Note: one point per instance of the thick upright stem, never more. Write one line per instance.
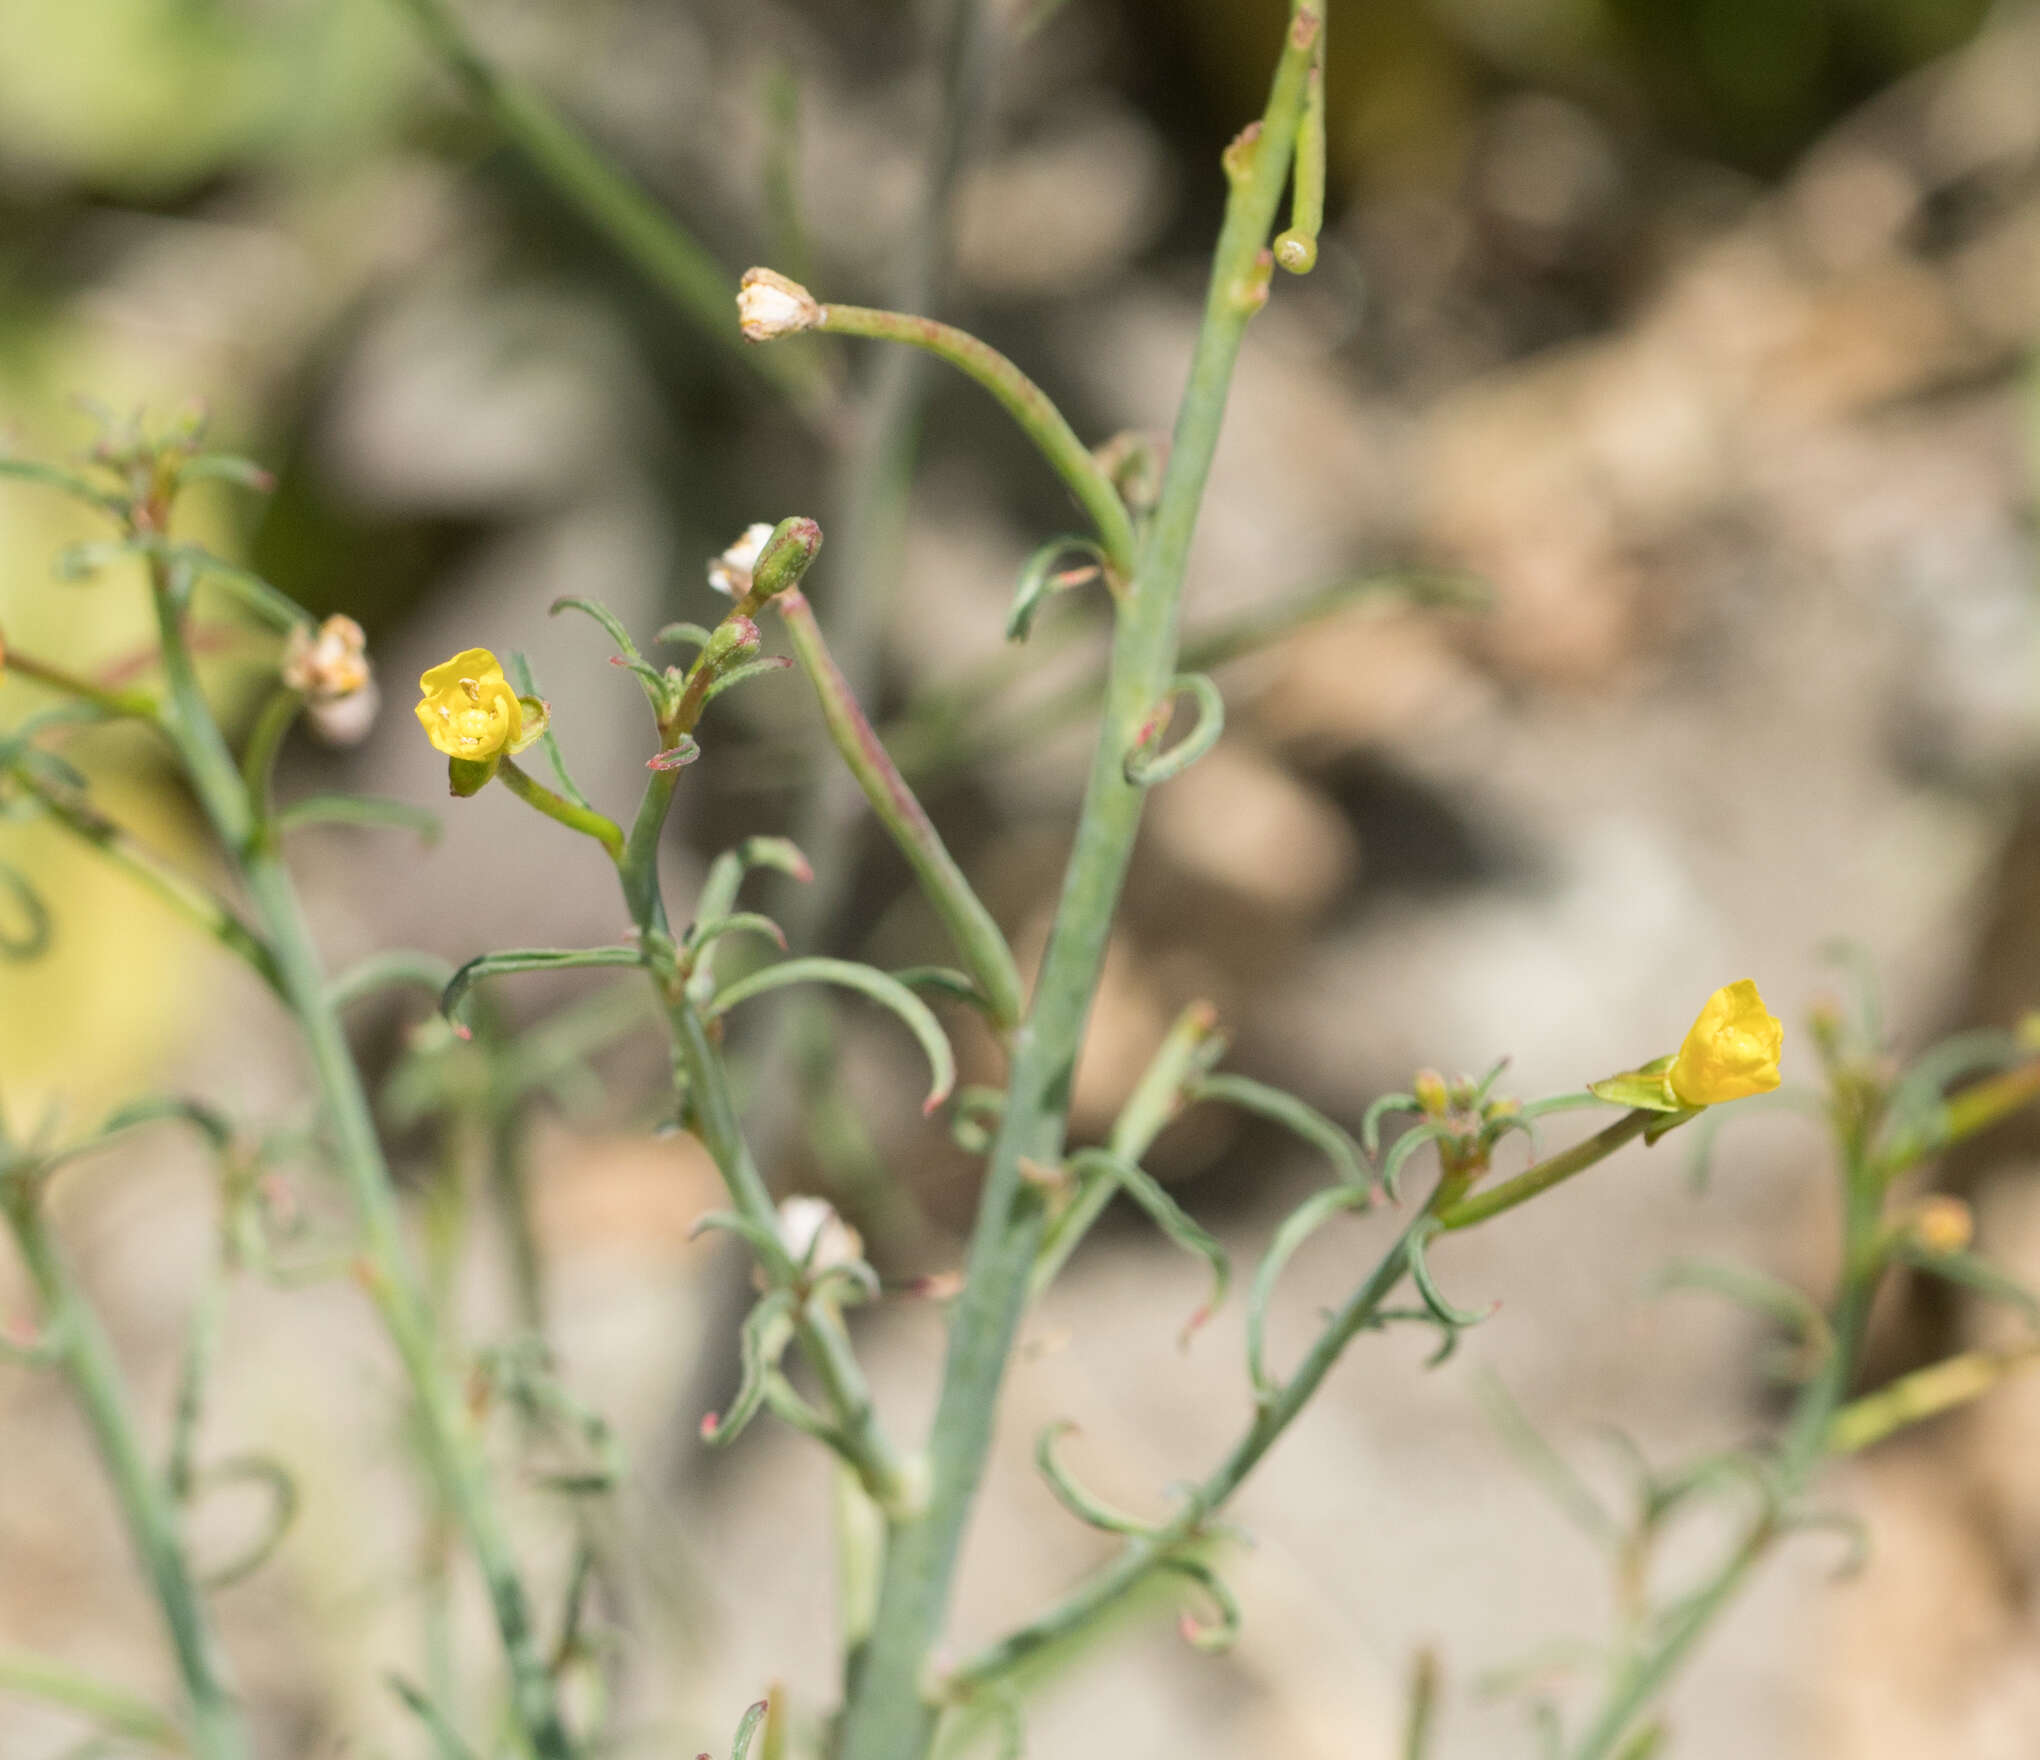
(888, 1716)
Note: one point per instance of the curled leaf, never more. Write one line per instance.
(1147, 763)
(1168, 1216)
(880, 987)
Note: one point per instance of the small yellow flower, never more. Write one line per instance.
(1732, 1050)
(467, 707)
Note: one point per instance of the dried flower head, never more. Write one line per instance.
(730, 573)
(770, 305)
(345, 721)
(1732, 1050)
(329, 663)
(467, 707)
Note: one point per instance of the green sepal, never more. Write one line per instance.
(1645, 1089)
(1669, 1122)
(469, 776)
(537, 720)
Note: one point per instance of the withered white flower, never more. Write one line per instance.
(730, 573)
(769, 305)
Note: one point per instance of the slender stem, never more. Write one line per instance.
(1021, 398)
(88, 1360)
(385, 1267)
(265, 741)
(887, 1717)
(820, 1335)
(114, 1709)
(1149, 1552)
(191, 901)
(139, 704)
(1806, 1442)
(976, 936)
(1545, 1174)
(613, 203)
(585, 820)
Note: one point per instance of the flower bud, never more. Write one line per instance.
(788, 555)
(1428, 1089)
(769, 305)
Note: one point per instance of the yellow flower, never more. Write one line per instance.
(1732, 1050)
(467, 708)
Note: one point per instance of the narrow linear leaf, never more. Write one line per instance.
(880, 987)
(1297, 1227)
(689, 634)
(365, 810)
(1377, 1110)
(611, 624)
(1221, 1635)
(1296, 1116)
(450, 1740)
(762, 1341)
(529, 959)
(271, 604)
(1041, 575)
(742, 674)
(46, 476)
(1092, 1511)
(527, 686)
(740, 1745)
(1147, 763)
(269, 1473)
(1420, 1274)
(1169, 1217)
(397, 968)
(26, 937)
(1973, 1271)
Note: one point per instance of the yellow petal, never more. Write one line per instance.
(467, 707)
(1731, 1052)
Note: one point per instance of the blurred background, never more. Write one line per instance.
(1700, 330)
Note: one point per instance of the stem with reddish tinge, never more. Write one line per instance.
(977, 937)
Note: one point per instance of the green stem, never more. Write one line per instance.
(887, 1717)
(1805, 1445)
(976, 936)
(386, 1268)
(265, 741)
(820, 1334)
(139, 704)
(87, 1357)
(1547, 1173)
(613, 203)
(585, 820)
(191, 901)
(115, 1710)
(1021, 398)
(1150, 1552)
